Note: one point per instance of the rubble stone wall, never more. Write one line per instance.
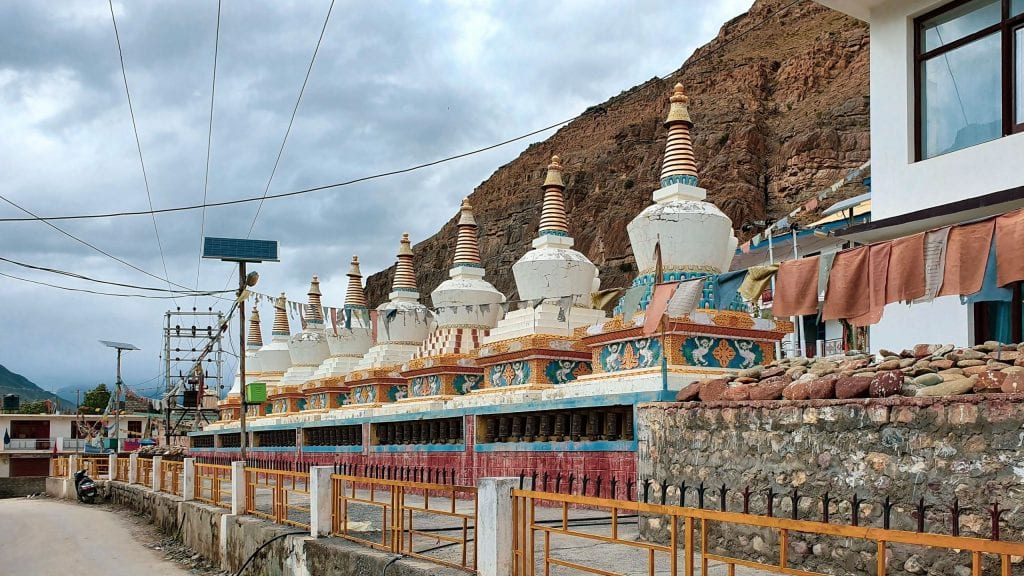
(938, 449)
(16, 487)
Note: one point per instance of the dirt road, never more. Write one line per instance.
(44, 537)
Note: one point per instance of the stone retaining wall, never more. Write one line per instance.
(16, 487)
(938, 449)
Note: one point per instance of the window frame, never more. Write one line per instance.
(1006, 27)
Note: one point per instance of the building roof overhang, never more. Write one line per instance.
(958, 212)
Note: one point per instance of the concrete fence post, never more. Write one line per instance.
(133, 468)
(238, 488)
(72, 465)
(494, 526)
(321, 499)
(111, 466)
(60, 444)
(157, 468)
(188, 486)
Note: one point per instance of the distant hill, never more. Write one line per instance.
(28, 391)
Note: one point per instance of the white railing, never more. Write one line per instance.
(73, 444)
(31, 443)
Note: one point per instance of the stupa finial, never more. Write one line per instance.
(405, 277)
(255, 338)
(354, 296)
(552, 217)
(280, 327)
(679, 166)
(467, 250)
(316, 311)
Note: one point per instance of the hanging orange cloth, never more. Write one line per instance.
(877, 281)
(796, 288)
(847, 282)
(1010, 248)
(905, 281)
(966, 257)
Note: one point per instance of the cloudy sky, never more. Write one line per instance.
(395, 84)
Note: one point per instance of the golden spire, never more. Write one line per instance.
(315, 309)
(281, 317)
(255, 338)
(679, 165)
(552, 217)
(355, 297)
(467, 251)
(405, 277)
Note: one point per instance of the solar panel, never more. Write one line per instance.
(240, 249)
(118, 345)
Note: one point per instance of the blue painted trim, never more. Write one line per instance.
(679, 179)
(467, 265)
(201, 433)
(553, 233)
(592, 446)
(402, 448)
(274, 449)
(203, 449)
(332, 449)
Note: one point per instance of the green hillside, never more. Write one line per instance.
(12, 383)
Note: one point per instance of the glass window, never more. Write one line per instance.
(959, 22)
(1016, 7)
(961, 104)
(1018, 73)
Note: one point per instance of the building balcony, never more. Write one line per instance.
(31, 444)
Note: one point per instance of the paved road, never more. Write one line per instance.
(44, 537)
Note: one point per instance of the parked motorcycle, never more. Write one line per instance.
(85, 488)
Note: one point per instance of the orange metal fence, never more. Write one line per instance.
(689, 527)
(97, 467)
(144, 471)
(278, 495)
(123, 467)
(171, 476)
(213, 484)
(60, 467)
(411, 518)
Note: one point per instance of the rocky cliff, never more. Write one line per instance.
(779, 101)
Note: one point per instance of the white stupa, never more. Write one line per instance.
(350, 335)
(308, 349)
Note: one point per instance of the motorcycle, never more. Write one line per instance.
(85, 488)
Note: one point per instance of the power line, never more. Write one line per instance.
(87, 291)
(108, 282)
(291, 121)
(379, 175)
(209, 145)
(84, 243)
(138, 143)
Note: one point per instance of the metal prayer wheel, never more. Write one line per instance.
(442, 431)
(593, 426)
(544, 428)
(559, 429)
(491, 432)
(435, 432)
(627, 425)
(530, 429)
(455, 431)
(416, 429)
(504, 428)
(517, 428)
(576, 426)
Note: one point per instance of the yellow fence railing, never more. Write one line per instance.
(171, 476)
(278, 495)
(123, 467)
(144, 471)
(97, 467)
(61, 467)
(408, 518)
(536, 541)
(213, 484)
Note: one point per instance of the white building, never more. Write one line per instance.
(947, 112)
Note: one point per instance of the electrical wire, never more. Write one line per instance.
(138, 145)
(209, 145)
(87, 291)
(108, 282)
(379, 175)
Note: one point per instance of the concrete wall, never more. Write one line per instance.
(23, 486)
(937, 449)
(228, 540)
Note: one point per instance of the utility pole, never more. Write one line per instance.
(120, 347)
(241, 358)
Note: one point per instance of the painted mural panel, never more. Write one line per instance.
(642, 353)
(364, 394)
(398, 392)
(509, 374)
(425, 385)
(466, 383)
(564, 371)
(711, 352)
(318, 401)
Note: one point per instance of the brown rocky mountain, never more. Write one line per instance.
(779, 101)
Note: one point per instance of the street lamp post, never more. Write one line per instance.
(120, 347)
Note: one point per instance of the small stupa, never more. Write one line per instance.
(275, 358)
(349, 336)
(535, 347)
(403, 323)
(230, 406)
(466, 308)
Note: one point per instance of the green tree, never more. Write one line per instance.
(37, 407)
(96, 400)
